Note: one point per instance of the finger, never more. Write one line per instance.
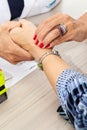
(11, 58)
(47, 27)
(20, 53)
(23, 54)
(25, 24)
(7, 26)
(41, 25)
(50, 24)
(29, 26)
(24, 34)
(17, 35)
(17, 56)
(17, 50)
(67, 37)
(51, 36)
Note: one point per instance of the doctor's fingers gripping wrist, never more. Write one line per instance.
(13, 53)
(23, 36)
(51, 24)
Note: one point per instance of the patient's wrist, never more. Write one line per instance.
(37, 52)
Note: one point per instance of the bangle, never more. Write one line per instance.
(54, 52)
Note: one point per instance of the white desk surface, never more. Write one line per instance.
(32, 103)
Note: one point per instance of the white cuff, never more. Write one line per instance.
(27, 7)
(4, 11)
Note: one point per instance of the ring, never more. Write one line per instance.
(62, 28)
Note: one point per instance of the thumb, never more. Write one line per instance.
(16, 35)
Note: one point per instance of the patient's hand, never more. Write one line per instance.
(9, 50)
(23, 35)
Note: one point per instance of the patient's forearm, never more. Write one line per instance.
(52, 65)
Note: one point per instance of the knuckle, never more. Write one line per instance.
(67, 17)
(74, 25)
(47, 24)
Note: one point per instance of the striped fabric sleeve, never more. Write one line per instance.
(72, 91)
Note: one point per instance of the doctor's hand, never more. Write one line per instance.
(61, 28)
(9, 50)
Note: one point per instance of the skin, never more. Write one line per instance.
(52, 64)
(9, 50)
(48, 33)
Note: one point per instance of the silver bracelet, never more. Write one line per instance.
(54, 52)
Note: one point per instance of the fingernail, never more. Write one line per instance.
(36, 42)
(35, 36)
(47, 46)
(41, 45)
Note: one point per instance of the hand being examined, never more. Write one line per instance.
(23, 35)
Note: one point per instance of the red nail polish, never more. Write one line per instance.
(47, 46)
(36, 42)
(35, 36)
(41, 45)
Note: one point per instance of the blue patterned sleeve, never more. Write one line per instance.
(72, 91)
